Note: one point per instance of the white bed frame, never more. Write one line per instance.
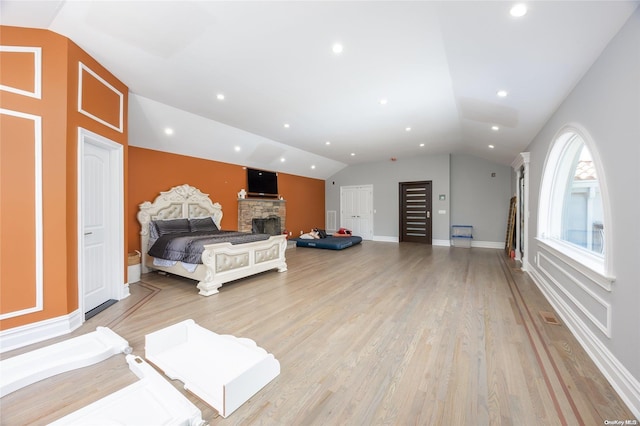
(222, 262)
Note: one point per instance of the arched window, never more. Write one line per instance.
(573, 203)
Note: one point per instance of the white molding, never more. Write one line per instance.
(37, 71)
(572, 257)
(28, 334)
(627, 386)
(488, 244)
(39, 256)
(123, 292)
(520, 166)
(605, 328)
(82, 67)
(385, 238)
(39, 364)
(548, 223)
(441, 243)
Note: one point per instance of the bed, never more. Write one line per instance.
(220, 261)
(330, 243)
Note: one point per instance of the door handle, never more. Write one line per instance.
(428, 215)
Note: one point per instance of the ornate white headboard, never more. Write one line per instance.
(179, 202)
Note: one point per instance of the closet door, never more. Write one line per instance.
(356, 210)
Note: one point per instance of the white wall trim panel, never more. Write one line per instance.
(441, 243)
(556, 248)
(37, 124)
(82, 67)
(37, 71)
(28, 334)
(604, 327)
(618, 376)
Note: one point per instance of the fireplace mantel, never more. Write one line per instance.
(259, 208)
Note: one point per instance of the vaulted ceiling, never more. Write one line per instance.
(413, 78)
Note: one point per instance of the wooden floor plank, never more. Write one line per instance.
(381, 333)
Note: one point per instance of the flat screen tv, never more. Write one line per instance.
(262, 183)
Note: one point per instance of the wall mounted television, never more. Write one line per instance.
(262, 183)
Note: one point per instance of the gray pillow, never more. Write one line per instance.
(203, 224)
(171, 226)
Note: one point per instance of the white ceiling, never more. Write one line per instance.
(438, 63)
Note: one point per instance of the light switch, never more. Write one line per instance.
(442, 212)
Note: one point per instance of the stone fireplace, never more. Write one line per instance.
(269, 225)
(265, 212)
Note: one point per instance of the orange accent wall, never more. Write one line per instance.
(60, 122)
(18, 242)
(14, 61)
(151, 172)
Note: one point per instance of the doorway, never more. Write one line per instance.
(415, 212)
(100, 220)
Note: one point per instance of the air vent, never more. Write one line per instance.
(332, 226)
(549, 318)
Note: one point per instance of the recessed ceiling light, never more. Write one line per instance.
(383, 101)
(286, 125)
(237, 148)
(491, 146)
(327, 143)
(282, 160)
(220, 97)
(408, 129)
(421, 145)
(495, 128)
(502, 93)
(518, 10)
(353, 154)
(168, 131)
(313, 166)
(337, 48)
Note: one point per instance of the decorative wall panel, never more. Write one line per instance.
(28, 60)
(576, 291)
(21, 220)
(99, 100)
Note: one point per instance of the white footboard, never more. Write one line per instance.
(227, 262)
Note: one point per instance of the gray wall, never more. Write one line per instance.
(473, 197)
(606, 103)
(384, 177)
(478, 199)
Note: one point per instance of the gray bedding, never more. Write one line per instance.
(188, 246)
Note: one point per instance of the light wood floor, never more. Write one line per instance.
(380, 333)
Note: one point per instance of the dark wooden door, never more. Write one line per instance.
(415, 212)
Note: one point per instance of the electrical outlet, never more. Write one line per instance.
(301, 232)
(289, 233)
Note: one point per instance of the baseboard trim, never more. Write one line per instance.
(124, 292)
(488, 244)
(28, 334)
(385, 239)
(627, 386)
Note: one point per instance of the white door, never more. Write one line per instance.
(100, 204)
(95, 181)
(356, 210)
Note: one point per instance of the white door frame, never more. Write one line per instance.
(521, 165)
(115, 215)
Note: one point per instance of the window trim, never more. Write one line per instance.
(579, 257)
